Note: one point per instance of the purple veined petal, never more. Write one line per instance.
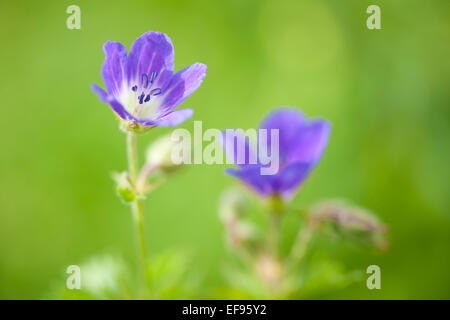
(173, 118)
(103, 96)
(287, 120)
(151, 53)
(289, 179)
(182, 85)
(251, 176)
(309, 142)
(238, 148)
(114, 66)
(115, 105)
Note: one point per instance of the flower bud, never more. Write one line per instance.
(351, 222)
(269, 270)
(159, 154)
(124, 187)
(233, 204)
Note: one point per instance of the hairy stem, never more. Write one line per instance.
(274, 233)
(136, 206)
(301, 243)
(275, 211)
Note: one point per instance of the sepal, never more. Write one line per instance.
(124, 188)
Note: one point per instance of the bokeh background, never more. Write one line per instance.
(386, 93)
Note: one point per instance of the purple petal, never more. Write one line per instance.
(287, 120)
(182, 85)
(103, 96)
(252, 177)
(115, 105)
(114, 66)
(237, 147)
(309, 142)
(174, 118)
(290, 177)
(151, 53)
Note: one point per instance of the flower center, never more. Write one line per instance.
(144, 92)
(146, 85)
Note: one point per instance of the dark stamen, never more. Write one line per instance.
(141, 98)
(146, 80)
(134, 88)
(155, 92)
(154, 73)
(147, 98)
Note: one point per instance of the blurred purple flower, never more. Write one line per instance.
(142, 89)
(301, 144)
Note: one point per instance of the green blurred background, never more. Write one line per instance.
(386, 93)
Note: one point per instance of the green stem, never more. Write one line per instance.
(301, 243)
(275, 211)
(136, 206)
(274, 233)
(132, 155)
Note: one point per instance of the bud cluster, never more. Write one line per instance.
(357, 224)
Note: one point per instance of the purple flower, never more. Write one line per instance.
(142, 89)
(301, 144)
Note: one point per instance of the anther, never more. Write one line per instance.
(141, 98)
(146, 80)
(155, 92)
(154, 73)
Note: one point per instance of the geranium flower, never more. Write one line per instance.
(301, 145)
(142, 88)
